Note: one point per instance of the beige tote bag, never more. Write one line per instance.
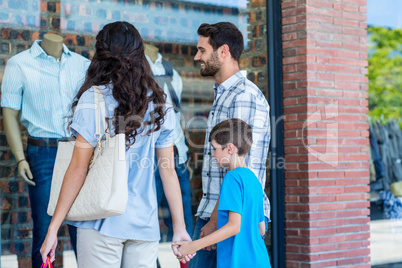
(105, 190)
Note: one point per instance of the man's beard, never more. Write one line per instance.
(211, 66)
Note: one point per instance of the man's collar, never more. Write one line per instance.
(229, 82)
(37, 50)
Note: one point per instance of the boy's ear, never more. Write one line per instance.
(231, 148)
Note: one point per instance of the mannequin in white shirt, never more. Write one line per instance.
(173, 85)
(52, 44)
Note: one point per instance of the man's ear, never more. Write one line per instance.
(224, 51)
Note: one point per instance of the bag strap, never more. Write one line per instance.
(47, 264)
(100, 108)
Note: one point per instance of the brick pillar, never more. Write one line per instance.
(326, 138)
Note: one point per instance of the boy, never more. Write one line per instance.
(241, 223)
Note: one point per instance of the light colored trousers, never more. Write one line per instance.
(96, 250)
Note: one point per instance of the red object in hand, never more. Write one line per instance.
(47, 264)
(184, 265)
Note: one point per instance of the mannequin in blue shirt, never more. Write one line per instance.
(35, 166)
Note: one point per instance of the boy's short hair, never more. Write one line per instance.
(234, 131)
(223, 33)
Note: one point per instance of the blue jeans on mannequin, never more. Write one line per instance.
(41, 161)
(184, 181)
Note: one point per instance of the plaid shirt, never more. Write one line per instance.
(237, 97)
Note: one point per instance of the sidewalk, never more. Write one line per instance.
(385, 247)
(386, 241)
(166, 258)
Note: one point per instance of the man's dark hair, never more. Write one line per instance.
(223, 33)
(234, 131)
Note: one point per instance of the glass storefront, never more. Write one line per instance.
(385, 111)
(171, 26)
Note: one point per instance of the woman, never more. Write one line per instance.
(135, 106)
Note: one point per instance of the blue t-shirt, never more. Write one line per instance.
(140, 221)
(241, 192)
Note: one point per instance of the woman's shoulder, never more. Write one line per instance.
(88, 95)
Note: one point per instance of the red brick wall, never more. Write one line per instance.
(326, 138)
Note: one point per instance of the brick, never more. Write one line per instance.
(296, 11)
(332, 206)
(318, 3)
(349, 245)
(353, 213)
(346, 7)
(322, 19)
(288, 20)
(354, 16)
(331, 190)
(295, 43)
(289, 36)
(332, 255)
(288, 4)
(364, 204)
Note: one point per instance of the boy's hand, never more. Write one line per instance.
(185, 249)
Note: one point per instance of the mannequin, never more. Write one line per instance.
(26, 89)
(152, 52)
(169, 80)
(52, 44)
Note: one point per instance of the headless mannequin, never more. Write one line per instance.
(52, 44)
(152, 52)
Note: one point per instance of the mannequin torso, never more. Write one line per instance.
(52, 44)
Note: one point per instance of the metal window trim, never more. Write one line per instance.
(275, 99)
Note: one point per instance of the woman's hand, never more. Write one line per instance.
(49, 246)
(181, 237)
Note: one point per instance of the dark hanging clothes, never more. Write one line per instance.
(395, 149)
(383, 142)
(375, 155)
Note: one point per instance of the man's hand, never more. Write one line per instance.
(25, 173)
(208, 229)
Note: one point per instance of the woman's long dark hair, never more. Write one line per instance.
(119, 58)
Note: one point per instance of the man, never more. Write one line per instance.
(219, 47)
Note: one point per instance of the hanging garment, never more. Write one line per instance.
(395, 148)
(171, 83)
(383, 142)
(392, 205)
(375, 155)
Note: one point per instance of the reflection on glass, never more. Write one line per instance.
(171, 26)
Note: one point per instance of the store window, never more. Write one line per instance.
(171, 27)
(385, 111)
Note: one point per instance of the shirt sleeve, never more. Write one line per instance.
(83, 122)
(12, 86)
(166, 135)
(247, 108)
(231, 195)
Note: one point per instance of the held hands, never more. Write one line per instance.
(183, 237)
(25, 173)
(186, 249)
